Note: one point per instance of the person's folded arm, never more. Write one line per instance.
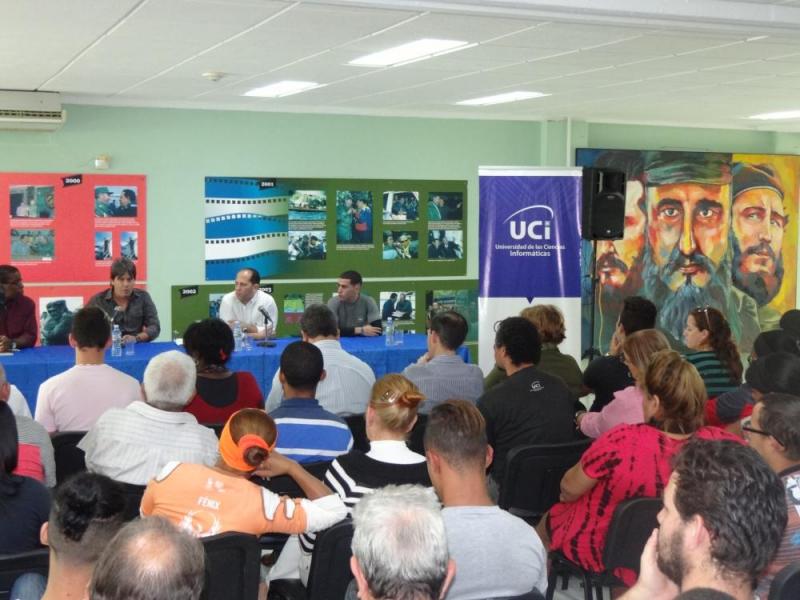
(152, 326)
(575, 484)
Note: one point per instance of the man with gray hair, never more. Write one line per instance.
(150, 559)
(133, 444)
(400, 545)
(348, 380)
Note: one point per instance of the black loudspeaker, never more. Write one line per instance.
(603, 215)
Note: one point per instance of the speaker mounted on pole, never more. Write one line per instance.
(603, 212)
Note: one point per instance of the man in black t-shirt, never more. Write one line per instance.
(608, 374)
(530, 407)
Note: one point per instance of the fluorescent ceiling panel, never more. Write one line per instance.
(410, 52)
(282, 89)
(501, 98)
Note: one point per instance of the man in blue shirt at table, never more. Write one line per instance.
(306, 431)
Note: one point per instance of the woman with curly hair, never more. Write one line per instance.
(715, 355)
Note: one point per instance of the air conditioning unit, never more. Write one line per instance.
(37, 111)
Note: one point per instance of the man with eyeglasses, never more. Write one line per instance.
(18, 328)
(774, 432)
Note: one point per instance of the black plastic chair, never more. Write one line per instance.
(284, 485)
(133, 499)
(13, 566)
(69, 458)
(786, 584)
(358, 427)
(415, 438)
(631, 525)
(330, 572)
(532, 482)
(233, 567)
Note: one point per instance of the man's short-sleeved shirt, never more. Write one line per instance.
(354, 314)
(445, 377)
(232, 309)
(309, 433)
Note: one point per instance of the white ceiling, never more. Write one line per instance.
(687, 62)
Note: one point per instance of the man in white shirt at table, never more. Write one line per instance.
(249, 305)
(348, 380)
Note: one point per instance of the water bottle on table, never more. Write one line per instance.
(237, 336)
(388, 332)
(116, 341)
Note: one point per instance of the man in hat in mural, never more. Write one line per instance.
(758, 220)
(687, 255)
(103, 207)
(56, 324)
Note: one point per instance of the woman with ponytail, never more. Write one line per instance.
(715, 355)
(24, 502)
(210, 500)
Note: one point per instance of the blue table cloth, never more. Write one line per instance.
(28, 368)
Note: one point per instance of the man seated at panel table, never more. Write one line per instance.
(75, 399)
(357, 313)
(348, 381)
(18, 328)
(306, 431)
(252, 307)
(133, 444)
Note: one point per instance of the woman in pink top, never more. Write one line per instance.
(626, 407)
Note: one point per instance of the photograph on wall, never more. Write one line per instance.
(401, 245)
(115, 201)
(400, 206)
(294, 304)
(700, 230)
(128, 245)
(464, 302)
(354, 225)
(399, 305)
(56, 318)
(445, 206)
(32, 244)
(445, 244)
(307, 244)
(308, 205)
(214, 301)
(102, 245)
(32, 201)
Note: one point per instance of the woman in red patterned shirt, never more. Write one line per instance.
(629, 461)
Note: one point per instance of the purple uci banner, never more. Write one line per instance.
(530, 233)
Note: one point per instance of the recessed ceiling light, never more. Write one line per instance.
(501, 98)
(412, 51)
(786, 114)
(283, 88)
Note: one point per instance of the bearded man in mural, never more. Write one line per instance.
(758, 223)
(687, 260)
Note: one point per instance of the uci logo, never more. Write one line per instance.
(534, 229)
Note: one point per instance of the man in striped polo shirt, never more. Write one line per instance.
(306, 431)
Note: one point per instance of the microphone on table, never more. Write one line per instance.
(266, 343)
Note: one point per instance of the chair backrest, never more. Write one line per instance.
(133, 499)
(330, 564)
(632, 523)
(532, 482)
(786, 584)
(358, 427)
(284, 485)
(15, 565)
(417, 434)
(69, 458)
(233, 567)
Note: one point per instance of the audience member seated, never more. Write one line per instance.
(775, 340)
(715, 355)
(18, 323)
(75, 399)
(87, 512)
(626, 407)
(348, 380)
(24, 502)
(530, 407)
(150, 559)
(608, 374)
(790, 321)
(774, 432)
(209, 500)
(34, 440)
(723, 516)
(18, 403)
(549, 322)
(391, 414)
(133, 444)
(441, 373)
(220, 392)
(628, 461)
(307, 432)
(497, 555)
(400, 545)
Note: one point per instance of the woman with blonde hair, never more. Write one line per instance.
(629, 461)
(549, 322)
(210, 500)
(626, 406)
